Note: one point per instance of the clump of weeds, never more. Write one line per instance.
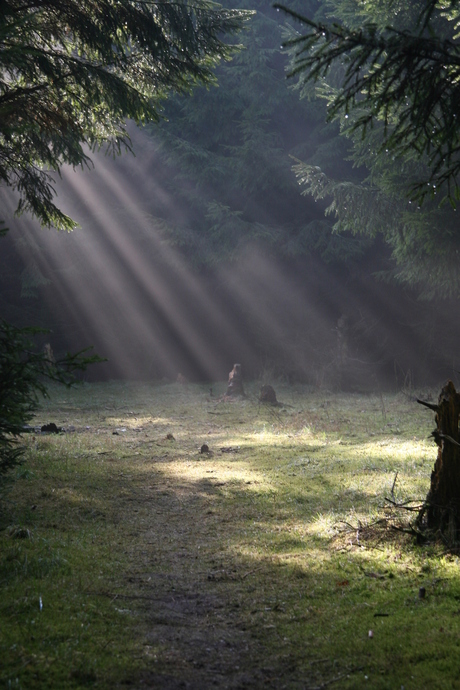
(169, 538)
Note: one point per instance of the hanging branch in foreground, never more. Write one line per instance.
(73, 72)
(407, 80)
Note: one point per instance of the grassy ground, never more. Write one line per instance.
(128, 558)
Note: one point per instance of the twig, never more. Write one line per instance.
(405, 505)
(337, 678)
(250, 572)
(360, 526)
(352, 527)
(134, 597)
(411, 530)
(393, 487)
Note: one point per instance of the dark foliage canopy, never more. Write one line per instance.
(73, 71)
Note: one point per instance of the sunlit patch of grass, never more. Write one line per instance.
(237, 475)
(323, 525)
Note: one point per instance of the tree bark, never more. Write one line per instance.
(442, 506)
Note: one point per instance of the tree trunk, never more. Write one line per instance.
(442, 508)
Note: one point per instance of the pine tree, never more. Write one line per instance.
(73, 71)
(400, 67)
(397, 100)
(227, 153)
(386, 196)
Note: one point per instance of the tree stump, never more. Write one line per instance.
(235, 381)
(442, 506)
(267, 395)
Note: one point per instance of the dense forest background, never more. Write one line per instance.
(201, 251)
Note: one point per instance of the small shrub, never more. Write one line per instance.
(24, 373)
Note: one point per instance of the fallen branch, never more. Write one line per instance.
(405, 505)
(411, 530)
(250, 572)
(360, 527)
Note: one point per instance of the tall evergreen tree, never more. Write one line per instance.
(397, 99)
(388, 197)
(228, 161)
(400, 67)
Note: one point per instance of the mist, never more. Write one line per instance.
(121, 284)
(199, 251)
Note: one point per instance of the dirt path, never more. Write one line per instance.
(192, 600)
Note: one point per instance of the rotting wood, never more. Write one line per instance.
(441, 511)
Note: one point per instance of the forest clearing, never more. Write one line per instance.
(131, 556)
(301, 218)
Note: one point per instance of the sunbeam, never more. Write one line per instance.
(119, 283)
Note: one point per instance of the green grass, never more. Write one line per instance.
(131, 559)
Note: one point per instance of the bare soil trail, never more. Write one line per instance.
(192, 598)
(208, 617)
(208, 610)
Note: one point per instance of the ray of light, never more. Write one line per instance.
(118, 278)
(122, 280)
